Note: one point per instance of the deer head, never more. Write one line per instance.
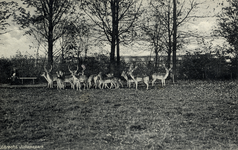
(83, 69)
(47, 70)
(131, 69)
(73, 72)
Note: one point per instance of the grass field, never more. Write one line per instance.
(187, 115)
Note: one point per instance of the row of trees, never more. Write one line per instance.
(66, 25)
(114, 21)
(192, 66)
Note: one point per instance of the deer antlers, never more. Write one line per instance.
(171, 66)
(49, 69)
(73, 72)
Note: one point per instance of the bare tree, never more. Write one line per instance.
(153, 29)
(46, 20)
(75, 40)
(172, 15)
(115, 20)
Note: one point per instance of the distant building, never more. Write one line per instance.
(129, 59)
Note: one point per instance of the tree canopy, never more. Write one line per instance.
(115, 20)
(7, 9)
(228, 24)
(47, 20)
(228, 28)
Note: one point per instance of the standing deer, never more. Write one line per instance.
(65, 79)
(79, 79)
(60, 80)
(75, 79)
(49, 78)
(139, 78)
(83, 79)
(161, 76)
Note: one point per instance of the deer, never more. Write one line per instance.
(125, 76)
(75, 79)
(139, 78)
(78, 79)
(117, 81)
(103, 81)
(64, 79)
(83, 78)
(49, 78)
(94, 78)
(59, 80)
(161, 76)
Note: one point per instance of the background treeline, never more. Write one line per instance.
(192, 66)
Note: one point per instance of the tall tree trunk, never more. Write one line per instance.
(50, 34)
(169, 50)
(156, 58)
(50, 45)
(174, 39)
(117, 39)
(118, 57)
(86, 48)
(113, 44)
(170, 40)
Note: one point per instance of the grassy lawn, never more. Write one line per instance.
(186, 115)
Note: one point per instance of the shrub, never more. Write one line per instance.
(200, 66)
(5, 69)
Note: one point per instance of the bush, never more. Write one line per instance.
(233, 68)
(26, 66)
(200, 66)
(5, 69)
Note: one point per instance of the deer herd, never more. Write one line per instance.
(80, 81)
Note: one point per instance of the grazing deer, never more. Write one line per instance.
(128, 81)
(104, 81)
(94, 78)
(161, 76)
(140, 78)
(49, 78)
(116, 81)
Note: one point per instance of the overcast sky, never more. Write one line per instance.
(14, 40)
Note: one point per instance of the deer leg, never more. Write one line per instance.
(147, 85)
(153, 82)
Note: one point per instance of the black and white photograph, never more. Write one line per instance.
(119, 74)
